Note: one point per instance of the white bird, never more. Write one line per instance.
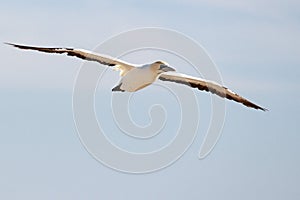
(136, 77)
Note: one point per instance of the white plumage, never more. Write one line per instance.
(136, 77)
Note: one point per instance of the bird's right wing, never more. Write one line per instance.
(208, 86)
(123, 66)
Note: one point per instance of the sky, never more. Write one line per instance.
(255, 46)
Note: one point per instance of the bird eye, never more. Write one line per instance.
(161, 67)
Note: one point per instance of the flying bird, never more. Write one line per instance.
(136, 77)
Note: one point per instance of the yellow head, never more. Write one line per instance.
(161, 66)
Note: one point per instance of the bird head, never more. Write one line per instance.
(160, 67)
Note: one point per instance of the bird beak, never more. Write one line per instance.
(166, 68)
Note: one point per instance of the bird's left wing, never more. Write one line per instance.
(208, 86)
(83, 54)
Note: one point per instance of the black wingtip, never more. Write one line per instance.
(14, 45)
(259, 108)
(252, 105)
(262, 109)
(8, 43)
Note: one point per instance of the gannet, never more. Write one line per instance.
(136, 77)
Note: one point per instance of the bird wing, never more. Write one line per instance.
(208, 86)
(124, 67)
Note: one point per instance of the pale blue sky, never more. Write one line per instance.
(255, 45)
